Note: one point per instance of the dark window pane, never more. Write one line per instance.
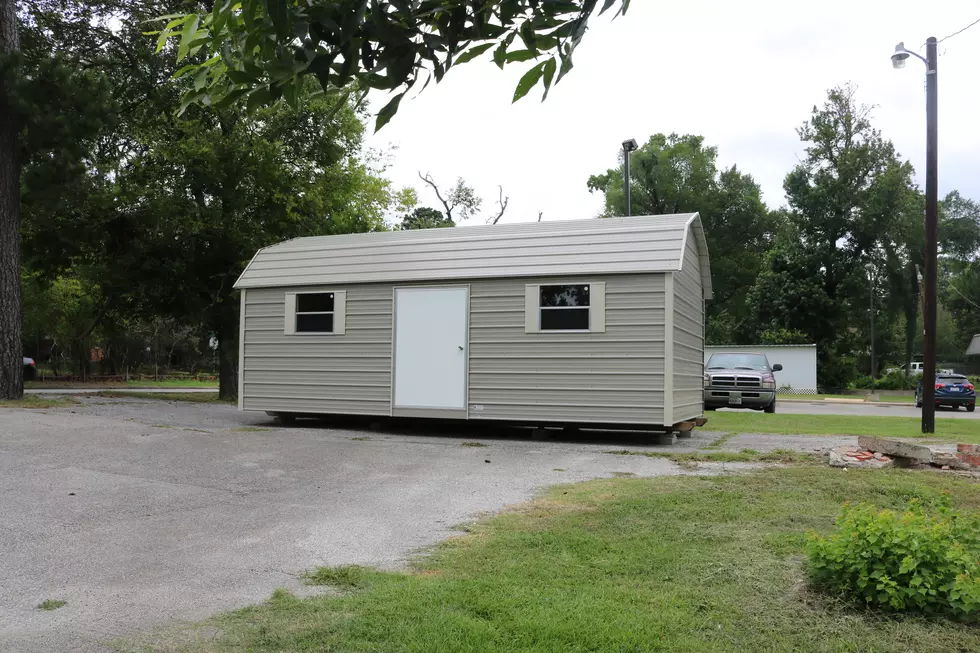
(562, 319)
(315, 323)
(314, 302)
(565, 295)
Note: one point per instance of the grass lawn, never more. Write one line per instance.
(194, 397)
(171, 383)
(907, 399)
(673, 564)
(35, 401)
(961, 430)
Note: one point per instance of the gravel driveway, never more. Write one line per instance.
(141, 513)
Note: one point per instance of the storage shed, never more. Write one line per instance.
(581, 322)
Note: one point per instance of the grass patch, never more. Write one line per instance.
(362, 438)
(250, 429)
(346, 577)
(722, 440)
(472, 444)
(784, 456)
(51, 604)
(558, 469)
(694, 563)
(962, 430)
(168, 383)
(37, 401)
(162, 426)
(193, 397)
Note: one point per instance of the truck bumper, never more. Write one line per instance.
(729, 398)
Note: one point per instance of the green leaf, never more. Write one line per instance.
(549, 74)
(388, 112)
(279, 13)
(473, 53)
(520, 55)
(528, 81)
(240, 77)
(201, 79)
(258, 98)
(187, 35)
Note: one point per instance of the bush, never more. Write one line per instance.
(913, 561)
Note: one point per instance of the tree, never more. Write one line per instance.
(460, 196)
(264, 51)
(679, 174)
(53, 98)
(851, 204)
(11, 367)
(167, 210)
(425, 218)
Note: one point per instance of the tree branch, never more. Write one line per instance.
(502, 203)
(427, 178)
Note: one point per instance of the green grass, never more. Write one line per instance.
(193, 397)
(51, 604)
(167, 383)
(673, 564)
(883, 396)
(784, 456)
(962, 430)
(345, 577)
(472, 444)
(250, 429)
(37, 401)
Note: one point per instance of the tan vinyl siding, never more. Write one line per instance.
(349, 373)
(688, 337)
(612, 377)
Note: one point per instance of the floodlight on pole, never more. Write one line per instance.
(628, 146)
(899, 57)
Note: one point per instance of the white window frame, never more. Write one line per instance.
(597, 307)
(339, 313)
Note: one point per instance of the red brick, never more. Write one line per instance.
(968, 448)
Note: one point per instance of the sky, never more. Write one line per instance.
(745, 75)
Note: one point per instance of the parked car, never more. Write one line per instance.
(30, 369)
(953, 390)
(740, 380)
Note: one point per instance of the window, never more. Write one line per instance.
(565, 307)
(315, 313)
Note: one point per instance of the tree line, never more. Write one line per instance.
(850, 234)
(145, 181)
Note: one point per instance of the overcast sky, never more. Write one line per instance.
(744, 75)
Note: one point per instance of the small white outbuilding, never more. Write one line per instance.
(584, 322)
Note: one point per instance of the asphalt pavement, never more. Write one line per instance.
(865, 409)
(143, 514)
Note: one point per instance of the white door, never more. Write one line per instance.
(430, 348)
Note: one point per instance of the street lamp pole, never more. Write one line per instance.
(628, 146)
(932, 227)
(871, 298)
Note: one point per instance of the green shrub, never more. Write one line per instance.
(918, 560)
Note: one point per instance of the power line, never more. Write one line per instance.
(960, 31)
(975, 305)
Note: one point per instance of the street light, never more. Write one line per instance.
(628, 146)
(932, 227)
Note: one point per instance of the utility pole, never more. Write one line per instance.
(871, 297)
(932, 238)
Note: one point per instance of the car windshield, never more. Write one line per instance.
(738, 362)
(951, 380)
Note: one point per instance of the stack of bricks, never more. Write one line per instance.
(969, 454)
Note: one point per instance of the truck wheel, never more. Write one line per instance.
(970, 408)
(771, 408)
(286, 419)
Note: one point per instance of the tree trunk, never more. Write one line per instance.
(11, 347)
(228, 360)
